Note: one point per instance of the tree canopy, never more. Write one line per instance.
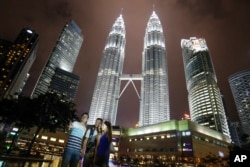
(48, 112)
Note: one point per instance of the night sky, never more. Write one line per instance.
(225, 25)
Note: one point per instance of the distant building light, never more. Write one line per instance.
(12, 133)
(44, 137)
(52, 139)
(221, 154)
(15, 129)
(29, 31)
(61, 141)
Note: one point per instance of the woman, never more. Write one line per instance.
(103, 145)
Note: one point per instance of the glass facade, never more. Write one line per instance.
(240, 86)
(205, 102)
(63, 56)
(154, 106)
(65, 82)
(105, 97)
(16, 61)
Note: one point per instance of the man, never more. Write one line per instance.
(71, 155)
(90, 142)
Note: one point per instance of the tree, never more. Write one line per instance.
(48, 112)
(8, 117)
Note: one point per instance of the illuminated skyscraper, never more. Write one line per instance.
(16, 60)
(205, 102)
(105, 97)
(65, 83)
(63, 56)
(240, 86)
(154, 106)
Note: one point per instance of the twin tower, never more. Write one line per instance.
(154, 98)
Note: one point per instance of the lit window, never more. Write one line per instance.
(52, 139)
(61, 141)
(15, 129)
(44, 137)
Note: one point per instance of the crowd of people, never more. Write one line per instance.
(90, 146)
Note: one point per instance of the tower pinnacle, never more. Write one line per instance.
(121, 11)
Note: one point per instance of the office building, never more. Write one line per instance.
(205, 102)
(173, 143)
(16, 61)
(63, 56)
(240, 86)
(154, 106)
(65, 83)
(107, 88)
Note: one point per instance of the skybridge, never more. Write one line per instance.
(130, 78)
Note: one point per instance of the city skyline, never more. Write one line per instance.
(224, 26)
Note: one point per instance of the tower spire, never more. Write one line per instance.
(121, 11)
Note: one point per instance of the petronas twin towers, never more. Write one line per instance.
(154, 99)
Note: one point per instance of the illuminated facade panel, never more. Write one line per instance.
(154, 106)
(63, 56)
(107, 88)
(240, 86)
(205, 102)
(16, 61)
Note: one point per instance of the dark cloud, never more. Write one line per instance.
(205, 8)
(63, 9)
(57, 9)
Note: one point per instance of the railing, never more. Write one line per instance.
(22, 161)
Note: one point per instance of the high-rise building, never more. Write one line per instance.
(65, 83)
(154, 106)
(105, 97)
(63, 56)
(205, 102)
(16, 61)
(240, 86)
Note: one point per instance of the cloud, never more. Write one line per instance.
(205, 8)
(57, 9)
